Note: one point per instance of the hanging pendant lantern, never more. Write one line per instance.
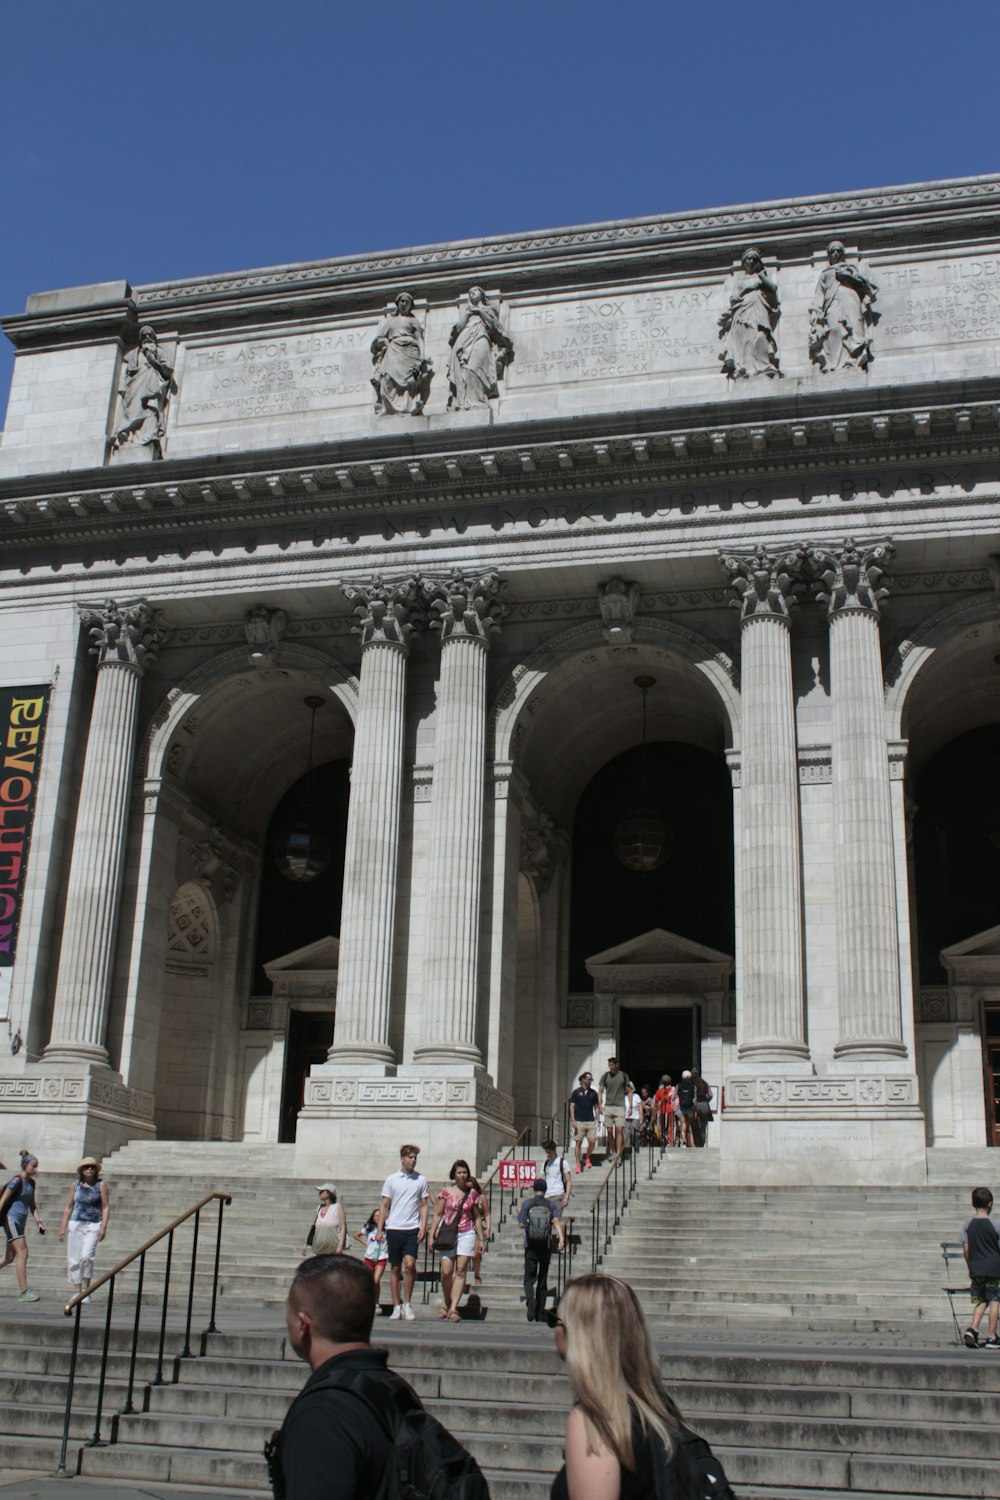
(643, 839)
(301, 851)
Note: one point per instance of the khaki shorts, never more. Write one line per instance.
(584, 1130)
(614, 1114)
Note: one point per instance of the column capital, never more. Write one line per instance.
(853, 578)
(124, 634)
(388, 612)
(469, 606)
(766, 584)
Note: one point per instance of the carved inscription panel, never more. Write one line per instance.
(951, 302)
(303, 371)
(614, 335)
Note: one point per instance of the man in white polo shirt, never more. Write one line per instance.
(402, 1218)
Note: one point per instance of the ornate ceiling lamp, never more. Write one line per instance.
(301, 851)
(643, 839)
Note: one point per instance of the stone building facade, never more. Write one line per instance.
(425, 673)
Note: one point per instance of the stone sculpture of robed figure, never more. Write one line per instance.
(747, 326)
(401, 374)
(841, 316)
(144, 389)
(480, 352)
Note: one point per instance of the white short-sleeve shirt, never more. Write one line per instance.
(404, 1191)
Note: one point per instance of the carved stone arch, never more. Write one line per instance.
(698, 651)
(916, 652)
(231, 666)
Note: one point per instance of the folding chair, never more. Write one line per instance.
(952, 1251)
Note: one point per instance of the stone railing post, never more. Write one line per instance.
(852, 585)
(467, 611)
(388, 613)
(124, 642)
(770, 963)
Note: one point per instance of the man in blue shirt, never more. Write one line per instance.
(583, 1102)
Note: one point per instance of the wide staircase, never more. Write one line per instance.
(803, 1331)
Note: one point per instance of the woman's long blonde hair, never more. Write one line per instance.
(613, 1365)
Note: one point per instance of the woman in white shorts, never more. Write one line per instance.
(456, 1233)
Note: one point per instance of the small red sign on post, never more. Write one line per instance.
(517, 1174)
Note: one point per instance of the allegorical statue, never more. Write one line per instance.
(401, 373)
(480, 352)
(145, 385)
(748, 323)
(841, 315)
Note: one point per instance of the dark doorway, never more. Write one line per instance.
(956, 846)
(310, 1036)
(992, 1068)
(691, 894)
(652, 1042)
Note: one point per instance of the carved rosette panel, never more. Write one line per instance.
(388, 613)
(765, 584)
(853, 578)
(131, 634)
(580, 1011)
(936, 1005)
(259, 1016)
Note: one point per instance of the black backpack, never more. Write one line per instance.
(538, 1223)
(692, 1472)
(685, 1093)
(429, 1464)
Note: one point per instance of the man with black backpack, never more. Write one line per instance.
(356, 1428)
(539, 1220)
(686, 1093)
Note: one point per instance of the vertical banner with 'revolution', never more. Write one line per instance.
(23, 712)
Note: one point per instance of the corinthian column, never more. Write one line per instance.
(852, 582)
(364, 981)
(467, 613)
(772, 1012)
(124, 642)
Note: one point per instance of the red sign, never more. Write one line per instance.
(517, 1174)
(22, 723)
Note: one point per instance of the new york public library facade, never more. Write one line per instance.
(426, 673)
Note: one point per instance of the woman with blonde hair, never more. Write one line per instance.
(625, 1437)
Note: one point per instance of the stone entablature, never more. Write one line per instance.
(205, 374)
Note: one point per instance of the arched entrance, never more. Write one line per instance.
(572, 726)
(200, 1029)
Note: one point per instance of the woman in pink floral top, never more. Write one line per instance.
(457, 1231)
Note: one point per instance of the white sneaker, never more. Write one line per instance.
(86, 1300)
(397, 1311)
(408, 1312)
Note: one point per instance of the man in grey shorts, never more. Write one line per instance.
(614, 1086)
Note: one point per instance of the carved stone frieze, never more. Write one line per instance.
(853, 578)
(820, 1095)
(766, 584)
(388, 613)
(467, 605)
(618, 602)
(815, 765)
(131, 633)
(410, 1095)
(75, 1091)
(259, 1015)
(264, 629)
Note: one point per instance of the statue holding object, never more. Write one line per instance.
(747, 326)
(401, 373)
(144, 389)
(480, 352)
(842, 315)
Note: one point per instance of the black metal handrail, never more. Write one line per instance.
(74, 1305)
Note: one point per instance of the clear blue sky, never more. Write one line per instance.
(170, 139)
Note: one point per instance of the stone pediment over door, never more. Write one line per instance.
(307, 977)
(660, 963)
(975, 960)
